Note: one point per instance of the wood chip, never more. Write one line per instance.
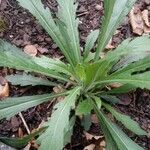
(136, 20)
(4, 88)
(109, 45)
(145, 16)
(30, 50)
(90, 147)
(94, 119)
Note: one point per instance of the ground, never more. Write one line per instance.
(22, 29)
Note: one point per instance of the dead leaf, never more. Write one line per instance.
(30, 50)
(109, 45)
(136, 20)
(98, 141)
(20, 133)
(90, 136)
(90, 147)
(4, 88)
(94, 118)
(58, 89)
(145, 16)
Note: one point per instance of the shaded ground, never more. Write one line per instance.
(23, 29)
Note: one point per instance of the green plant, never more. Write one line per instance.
(87, 73)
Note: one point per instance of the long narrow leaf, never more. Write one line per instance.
(138, 47)
(12, 106)
(114, 15)
(120, 141)
(136, 74)
(25, 80)
(11, 56)
(20, 143)
(91, 39)
(126, 121)
(58, 125)
(67, 15)
(46, 20)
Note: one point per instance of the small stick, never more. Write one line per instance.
(24, 123)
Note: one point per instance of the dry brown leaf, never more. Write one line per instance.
(90, 147)
(145, 17)
(136, 20)
(4, 88)
(109, 45)
(30, 50)
(58, 89)
(98, 141)
(90, 136)
(20, 133)
(94, 118)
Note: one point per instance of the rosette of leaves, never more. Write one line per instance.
(87, 73)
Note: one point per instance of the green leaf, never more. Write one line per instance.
(116, 139)
(122, 89)
(86, 122)
(126, 121)
(53, 64)
(11, 56)
(110, 98)
(58, 125)
(136, 74)
(91, 39)
(67, 15)
(45, 18)
(14, 105)
(25, 80)
(20, 143)
(131, 50)
(137, 47)
(114, 15)
(69, 131)
(84, 108)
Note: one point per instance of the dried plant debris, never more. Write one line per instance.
(139, 21)
(4, 88)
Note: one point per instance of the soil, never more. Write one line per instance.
(22, 29)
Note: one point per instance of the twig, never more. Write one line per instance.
(24, 123)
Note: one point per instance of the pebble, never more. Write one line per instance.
(98, 7)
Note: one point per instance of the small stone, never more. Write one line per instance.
(98, 7)
(11, 36)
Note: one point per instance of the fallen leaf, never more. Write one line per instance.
(145, 16)
(20, 133)
(90, 147)
(136, 20)
(30, 50)
(90, 136)
(4, 88)
(98, 141)
(58, 89)
(109, 45)
(94, 118)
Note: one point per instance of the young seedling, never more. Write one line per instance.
(87, 73)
